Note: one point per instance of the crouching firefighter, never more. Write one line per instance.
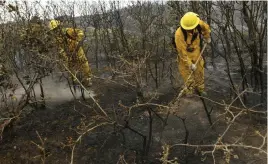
(188, 45)
(68, 41)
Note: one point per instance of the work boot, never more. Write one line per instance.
(188, 93)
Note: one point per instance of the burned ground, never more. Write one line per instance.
(59, 124)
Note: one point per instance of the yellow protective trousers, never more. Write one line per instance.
(196, 80)
(77, 63)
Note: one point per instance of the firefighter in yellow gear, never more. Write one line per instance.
(72, 53)
(187, 40)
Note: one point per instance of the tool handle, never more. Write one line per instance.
(201, 53)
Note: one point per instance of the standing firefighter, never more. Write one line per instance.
(188, 45)
(71, 51)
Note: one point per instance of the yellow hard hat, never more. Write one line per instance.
(53, 24)
(189, 21)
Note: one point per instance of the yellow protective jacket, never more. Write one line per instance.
(184, 55)
(69, 40)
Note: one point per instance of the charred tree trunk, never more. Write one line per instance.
(96, 48)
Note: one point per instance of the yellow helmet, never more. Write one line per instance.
(53, 24)
(189, 21)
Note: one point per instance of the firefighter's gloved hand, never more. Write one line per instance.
(208, 40)
(87, 82)
(193, 67)
(190, 49)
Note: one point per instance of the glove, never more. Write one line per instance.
(87, 82)
(193, 67)
(208, 40)
(189, 49)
